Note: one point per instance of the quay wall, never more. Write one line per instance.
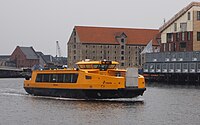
(10, 72)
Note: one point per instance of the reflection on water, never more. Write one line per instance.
(161, 104)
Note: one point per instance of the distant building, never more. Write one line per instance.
(182, 32)
(120, 44)
(42, 61)
(5, 61)
(25, 57)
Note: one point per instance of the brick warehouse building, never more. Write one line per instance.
(24, 57)
(120, 44)
(182, 32)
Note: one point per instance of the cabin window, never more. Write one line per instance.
(81, 66)
(45, 78)
(88, 66)
(95, 66)
(39, 78)
(85, 66)
(53, 78)
(58, 78)
(111, 66)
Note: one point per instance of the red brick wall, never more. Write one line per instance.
(20, 59)
(189, 43)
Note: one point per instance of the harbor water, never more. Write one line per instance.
(160, 105)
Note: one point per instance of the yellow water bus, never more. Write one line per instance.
(91, 80)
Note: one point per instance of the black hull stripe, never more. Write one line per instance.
(86, 94)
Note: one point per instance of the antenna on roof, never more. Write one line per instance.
(164, 20)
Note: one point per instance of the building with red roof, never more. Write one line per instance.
(120, 44)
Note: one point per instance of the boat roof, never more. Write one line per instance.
(97, 62)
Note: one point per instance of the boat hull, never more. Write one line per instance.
(86, 93)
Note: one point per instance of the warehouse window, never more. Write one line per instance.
(177, 36)
(183, 36)
(183, 45)
(169, 37)
(183, 27)
(189, 15)
(198, 36)
(122, 40)
(188, 36)
(175, 26)
(198, 15)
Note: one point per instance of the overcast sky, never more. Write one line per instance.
(40, 23)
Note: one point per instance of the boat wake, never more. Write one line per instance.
(11, 92)
(128, 100)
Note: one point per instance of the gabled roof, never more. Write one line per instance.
(48, 58)
(107, 35)
(178, 15)
(29, 52)
(39, 53)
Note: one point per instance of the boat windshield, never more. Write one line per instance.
(85, 66)
(112, 66)
(104, 66)
(97, 66)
